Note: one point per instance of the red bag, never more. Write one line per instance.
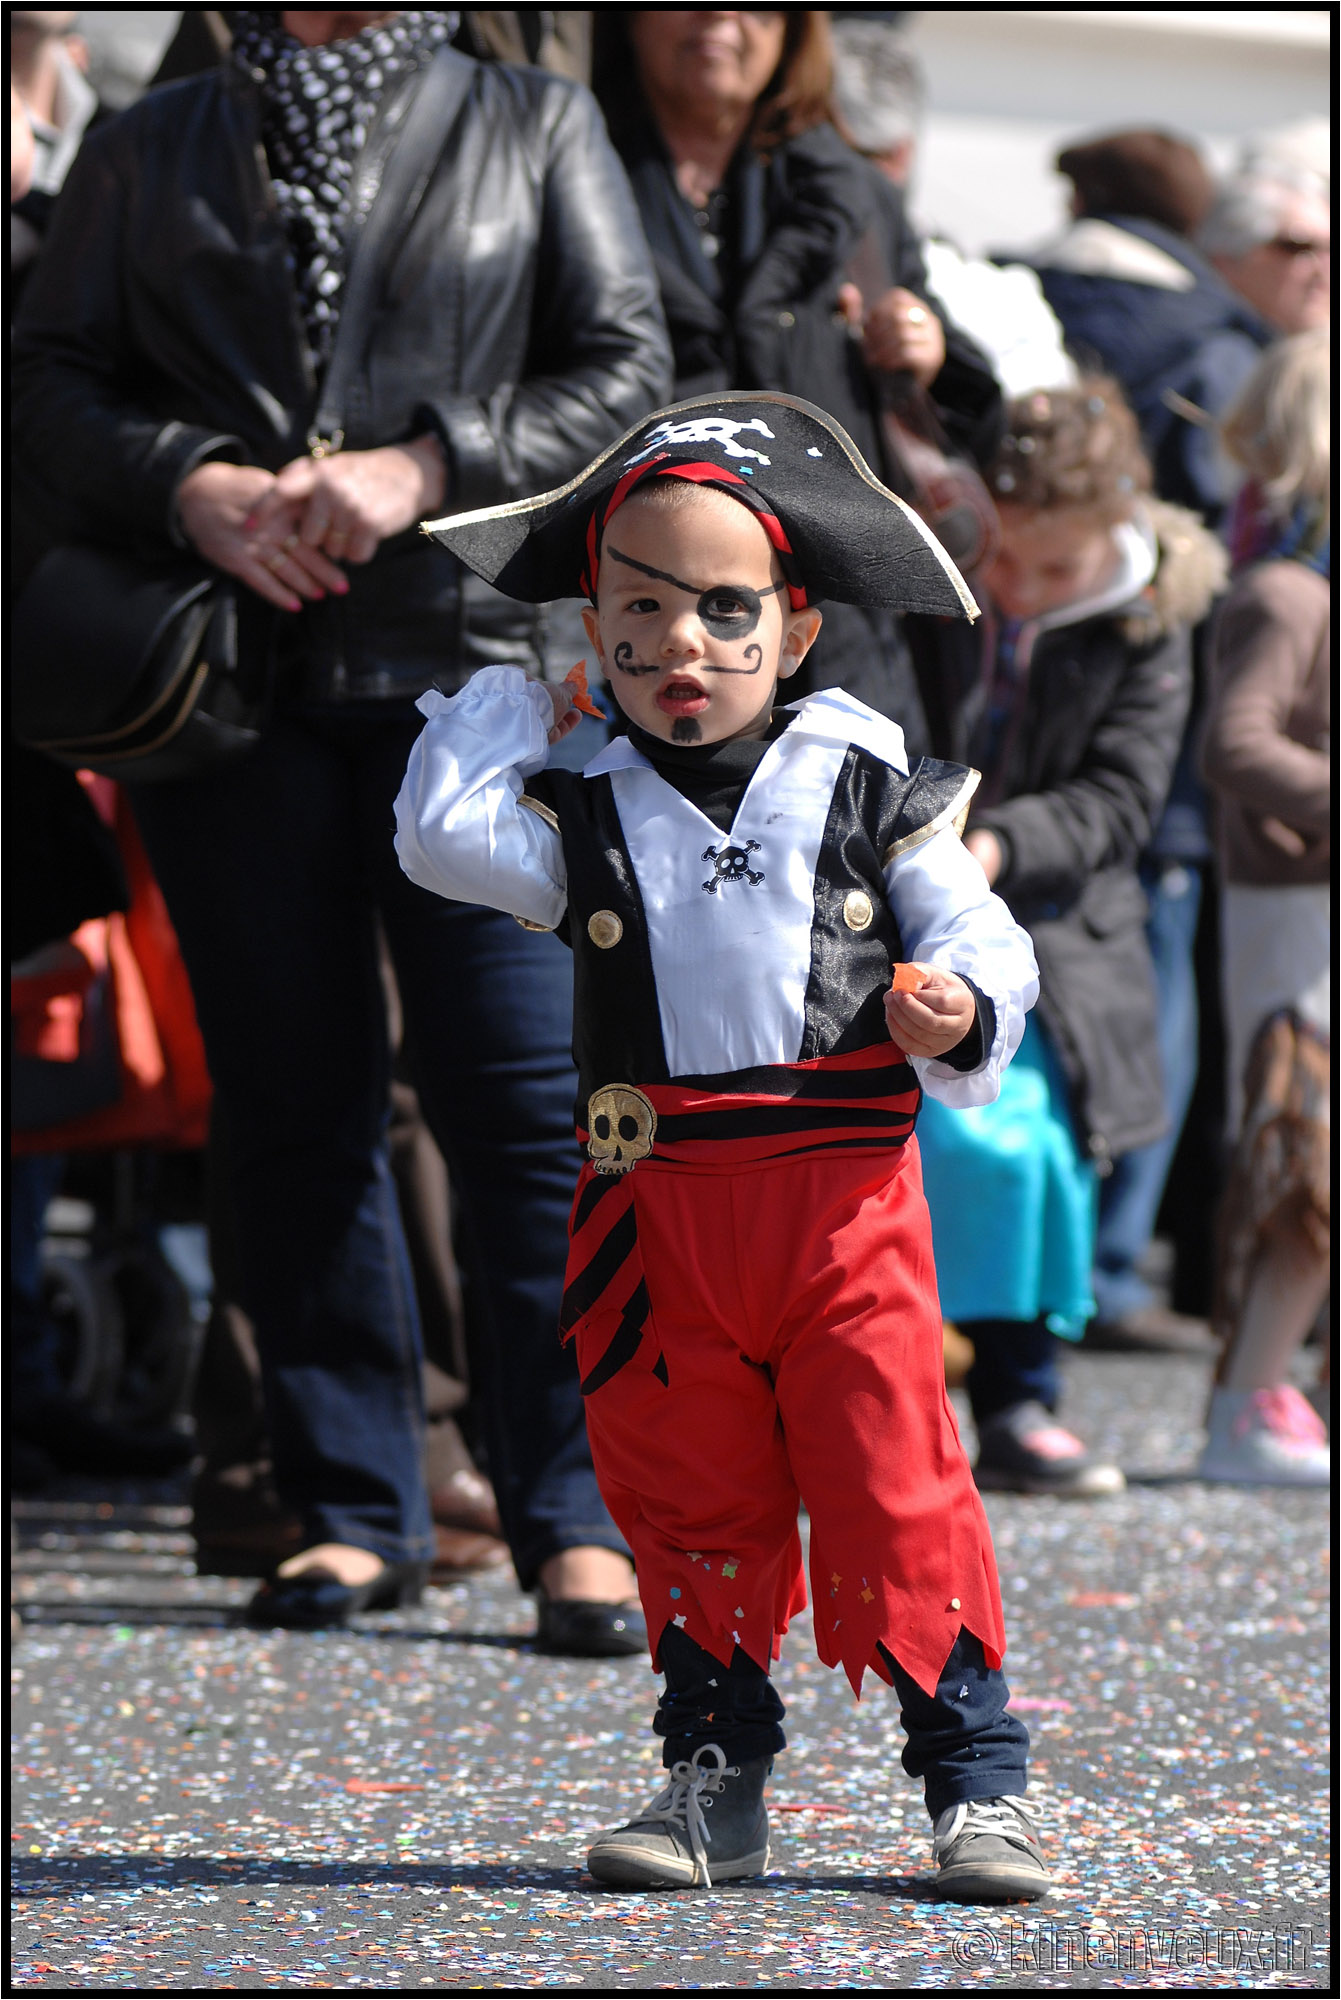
(114, 1004)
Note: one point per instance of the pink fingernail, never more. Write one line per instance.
(341, 589)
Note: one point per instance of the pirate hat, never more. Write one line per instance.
(837, 531)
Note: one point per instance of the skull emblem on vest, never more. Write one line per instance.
(621, 1125)
(732, 864)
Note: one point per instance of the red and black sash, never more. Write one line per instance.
(863, 1102)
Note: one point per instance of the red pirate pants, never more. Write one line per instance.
(790, 1354)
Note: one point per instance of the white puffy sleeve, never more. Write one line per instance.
(948, 917)
(460, 827)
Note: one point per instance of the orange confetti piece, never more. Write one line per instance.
(577, 681)
(908, 979)
(372, 1785)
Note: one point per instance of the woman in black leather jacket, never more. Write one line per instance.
(168, 363)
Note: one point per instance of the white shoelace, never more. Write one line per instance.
(681, 1804)
(997, 1816)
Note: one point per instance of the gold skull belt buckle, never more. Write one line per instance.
(621, 1125)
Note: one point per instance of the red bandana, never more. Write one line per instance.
(701, 475)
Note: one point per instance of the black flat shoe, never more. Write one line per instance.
(589, 1631)
(315, 1598)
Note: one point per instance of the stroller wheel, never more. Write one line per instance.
(160, 1339)
(77, 1297)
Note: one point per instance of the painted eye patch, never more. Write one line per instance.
(726, 610)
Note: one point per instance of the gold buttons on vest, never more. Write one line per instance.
(858, 910)
(604, 929)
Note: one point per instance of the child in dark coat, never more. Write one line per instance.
(1071, 701)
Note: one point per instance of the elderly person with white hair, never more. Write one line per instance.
(1269, 235)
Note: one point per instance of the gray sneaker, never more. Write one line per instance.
(673, 1845)
(988, 1847)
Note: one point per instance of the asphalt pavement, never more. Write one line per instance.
(406, 1804)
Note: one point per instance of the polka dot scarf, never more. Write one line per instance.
(316, 108)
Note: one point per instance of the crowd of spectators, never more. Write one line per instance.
(229, 356)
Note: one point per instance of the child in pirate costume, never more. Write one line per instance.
(750, 1283)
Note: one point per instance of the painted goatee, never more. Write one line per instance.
(685, 729)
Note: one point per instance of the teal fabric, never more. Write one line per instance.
(1013, 1201)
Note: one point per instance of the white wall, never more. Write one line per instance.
(125, 47)
(1007, 87)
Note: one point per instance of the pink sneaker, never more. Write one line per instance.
(1265, 1437)
(1024, 1449)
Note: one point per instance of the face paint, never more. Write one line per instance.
(726, 611)
(682, 651)
(730, 610)
(624, 660)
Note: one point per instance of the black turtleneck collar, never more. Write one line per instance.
(712, 776)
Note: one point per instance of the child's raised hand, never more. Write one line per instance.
(932, 1018)
(571, 702)
(566, 716)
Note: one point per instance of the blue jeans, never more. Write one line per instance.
(1129, 1199)
(961, 1741)
(277, 871)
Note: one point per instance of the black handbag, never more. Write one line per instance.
(135, 670)
(145, 671)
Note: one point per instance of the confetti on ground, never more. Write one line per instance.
(200, 1806)
(370, 1785)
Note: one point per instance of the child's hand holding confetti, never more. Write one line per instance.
(577, 681)
(928, 1012)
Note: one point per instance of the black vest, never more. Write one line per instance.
(873, 813)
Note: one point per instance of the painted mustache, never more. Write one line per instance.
(624, 660)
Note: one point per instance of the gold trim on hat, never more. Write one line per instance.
(731, 396)
(954, 815)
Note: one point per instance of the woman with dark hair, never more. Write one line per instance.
(755, 208)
